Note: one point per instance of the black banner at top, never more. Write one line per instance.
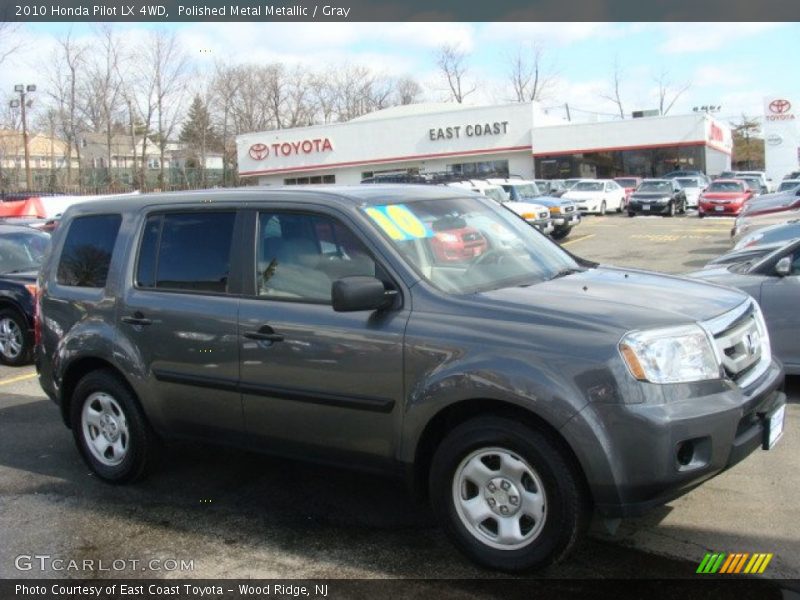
(394, 10)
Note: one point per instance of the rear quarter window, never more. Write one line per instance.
(86, 255)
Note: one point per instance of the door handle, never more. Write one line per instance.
(264, 334)
(137, 319)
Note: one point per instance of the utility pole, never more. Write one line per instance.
(22, 90)
(566, 105)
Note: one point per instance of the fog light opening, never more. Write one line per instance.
(685, 453)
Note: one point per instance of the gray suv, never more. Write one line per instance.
(407, 329)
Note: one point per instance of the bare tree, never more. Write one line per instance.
(615, 95)
(529, 74)
(67, 68)
(668, 92)
(407, 91)
(105, 86)
(452, 62)
(10, 41)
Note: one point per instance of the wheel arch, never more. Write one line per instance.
(459, 412)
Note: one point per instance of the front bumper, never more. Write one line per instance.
(648, 208)
(562, 221)
(546, 226)
(719, 209)
(651, 453)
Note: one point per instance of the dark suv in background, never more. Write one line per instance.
(517, 387)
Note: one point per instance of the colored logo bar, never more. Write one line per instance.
(734, 563)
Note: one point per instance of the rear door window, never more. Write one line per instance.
(86, 255)
(186, 251)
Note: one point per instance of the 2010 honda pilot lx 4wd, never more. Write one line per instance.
(519, 388)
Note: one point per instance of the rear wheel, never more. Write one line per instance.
(507, 495)
(16, 344)
(110, 429)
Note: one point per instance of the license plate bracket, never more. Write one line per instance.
(773, 427)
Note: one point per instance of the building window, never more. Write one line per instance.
(310, 180)
(648, 162)
(487, 168)
(153, 163)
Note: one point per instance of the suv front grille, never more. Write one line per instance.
(740, 343)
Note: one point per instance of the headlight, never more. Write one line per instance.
(670, 355)
(555, 210)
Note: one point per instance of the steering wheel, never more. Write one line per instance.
(492, 257)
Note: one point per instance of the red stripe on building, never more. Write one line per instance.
(384, 160)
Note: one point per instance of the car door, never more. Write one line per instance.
(181, 316)
(319, 382)
(780, 302)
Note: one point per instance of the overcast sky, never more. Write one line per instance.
(730, 64)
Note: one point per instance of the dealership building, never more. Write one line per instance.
(517, 139)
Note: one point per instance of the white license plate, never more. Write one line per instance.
(645, 207)
(719, 208)
(775, 427)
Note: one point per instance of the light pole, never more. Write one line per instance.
(22, 103)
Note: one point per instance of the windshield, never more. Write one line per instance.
(785, 186)
(588, 186)
(497, 194)
(656, 186)
(527, 190)
(22, 251)
(463, 245)
(725, 186)
(689, 182)
(626, 183)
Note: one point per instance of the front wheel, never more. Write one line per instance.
(507, 495)
(631, 213)
(560, 233)
(671, 210)
(110, 429)
(603, 207)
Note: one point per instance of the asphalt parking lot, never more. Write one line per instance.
(242, 515)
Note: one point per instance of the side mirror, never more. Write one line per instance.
(784, 266)
(356, 293)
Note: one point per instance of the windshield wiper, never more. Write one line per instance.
(565, 272)
(18, 270)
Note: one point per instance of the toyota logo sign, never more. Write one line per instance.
(780, 106)
(259, 151)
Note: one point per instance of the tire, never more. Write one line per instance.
(621, 205)
(16, 342)
(603, 208)
(701, 214)
(671, 211)
(560, 233)
(631, 213)
(102, 400)
(561, 502)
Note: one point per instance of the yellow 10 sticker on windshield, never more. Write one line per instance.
(399, 222)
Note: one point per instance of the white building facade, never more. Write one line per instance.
(516, 139)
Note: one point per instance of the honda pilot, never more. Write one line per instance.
(515, 386)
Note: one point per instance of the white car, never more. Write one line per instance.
(535, 214)
(760, 174)
(693, 187)
(597, 196)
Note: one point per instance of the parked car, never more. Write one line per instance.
(22, 249)
(535, 214)
(724, 197)
(597, 196)
(771, 234)
(773, 280)
(788, 185)
(755, 184)
(563, 212)
(779, 208)
(551, 187)
(629, 184)
(679, 173)
(657, 197)
(792, 175)
(692, 187)
(740, 255)
(568, 183)
(765, 182)
(517, 391)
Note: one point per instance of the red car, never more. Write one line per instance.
(629, 184)
(724, 197)
(458, 245)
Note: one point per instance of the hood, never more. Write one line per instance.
(553, 201)
(574, 195)
(650, 195)
(613, 299)
(521, 207)
(720, 275)
(724, 195)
